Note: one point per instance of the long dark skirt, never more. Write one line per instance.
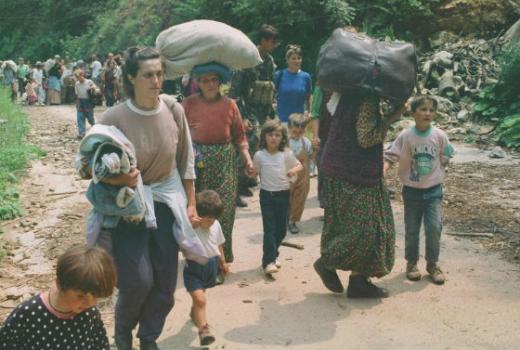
(220, 174)
(358, 233)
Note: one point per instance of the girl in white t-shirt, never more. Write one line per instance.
(277, 167)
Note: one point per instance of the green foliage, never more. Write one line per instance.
(15, 153)
(35, 29)
(501, 102)
(134, 23)
(391, 18)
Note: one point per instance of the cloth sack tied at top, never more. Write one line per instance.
(201, 41)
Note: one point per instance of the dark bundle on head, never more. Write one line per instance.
(133, 58)
(90, 270)
(209, 204)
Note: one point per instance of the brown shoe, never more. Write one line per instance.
(205, 336)
(436, 274)
(412, 272)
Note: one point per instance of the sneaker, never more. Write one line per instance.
(293, 228)
(329, 277)
(240, 202)
(412, 272)
(278, 264)
(435, 273)
(205, 336)
(148, 345)
(270, 269)
(361, 287)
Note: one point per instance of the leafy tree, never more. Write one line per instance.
(35, 29)
(501, 102)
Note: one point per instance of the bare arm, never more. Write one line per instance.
(295, 170)
(222, 261)
(244, 153)
(316, 132)
(189, 188)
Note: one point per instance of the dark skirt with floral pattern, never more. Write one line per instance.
(358, 233)
(218, 171)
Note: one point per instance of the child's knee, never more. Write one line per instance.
(199, 298)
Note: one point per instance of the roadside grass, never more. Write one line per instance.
(15, 154)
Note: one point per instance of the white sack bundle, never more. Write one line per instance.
(201, 41)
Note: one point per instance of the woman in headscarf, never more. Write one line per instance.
(54, 88)
(217, 132)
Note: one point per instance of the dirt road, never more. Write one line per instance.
(477, 308)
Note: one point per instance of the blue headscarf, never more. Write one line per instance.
(212, 67)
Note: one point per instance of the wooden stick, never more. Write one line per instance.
(471, 234)
(60, 193)
(293, 245)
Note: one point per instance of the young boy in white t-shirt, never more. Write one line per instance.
(422, 153)
(197, 277)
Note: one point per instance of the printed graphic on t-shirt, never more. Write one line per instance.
(423, 158)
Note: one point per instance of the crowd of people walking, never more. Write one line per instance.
(211, 148)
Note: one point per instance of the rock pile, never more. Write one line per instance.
(455, 71)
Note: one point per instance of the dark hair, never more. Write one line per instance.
(267, 32)
(420, 100)
(293, 49)
(133, 58)
(90, 270)
(117, 58)
(209, 204)
(269, 127)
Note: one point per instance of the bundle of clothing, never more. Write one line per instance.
(105, 151)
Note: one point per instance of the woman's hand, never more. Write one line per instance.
(386, 166)
(396, 115)
(250, 169)
(193, 215)
(316, 143)
(224, 267)
(130, 179)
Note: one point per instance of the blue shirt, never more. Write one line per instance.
(292, 90)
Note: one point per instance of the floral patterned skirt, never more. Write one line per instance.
(217, 171)
(358, 233)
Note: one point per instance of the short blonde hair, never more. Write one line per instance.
(298, 120)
